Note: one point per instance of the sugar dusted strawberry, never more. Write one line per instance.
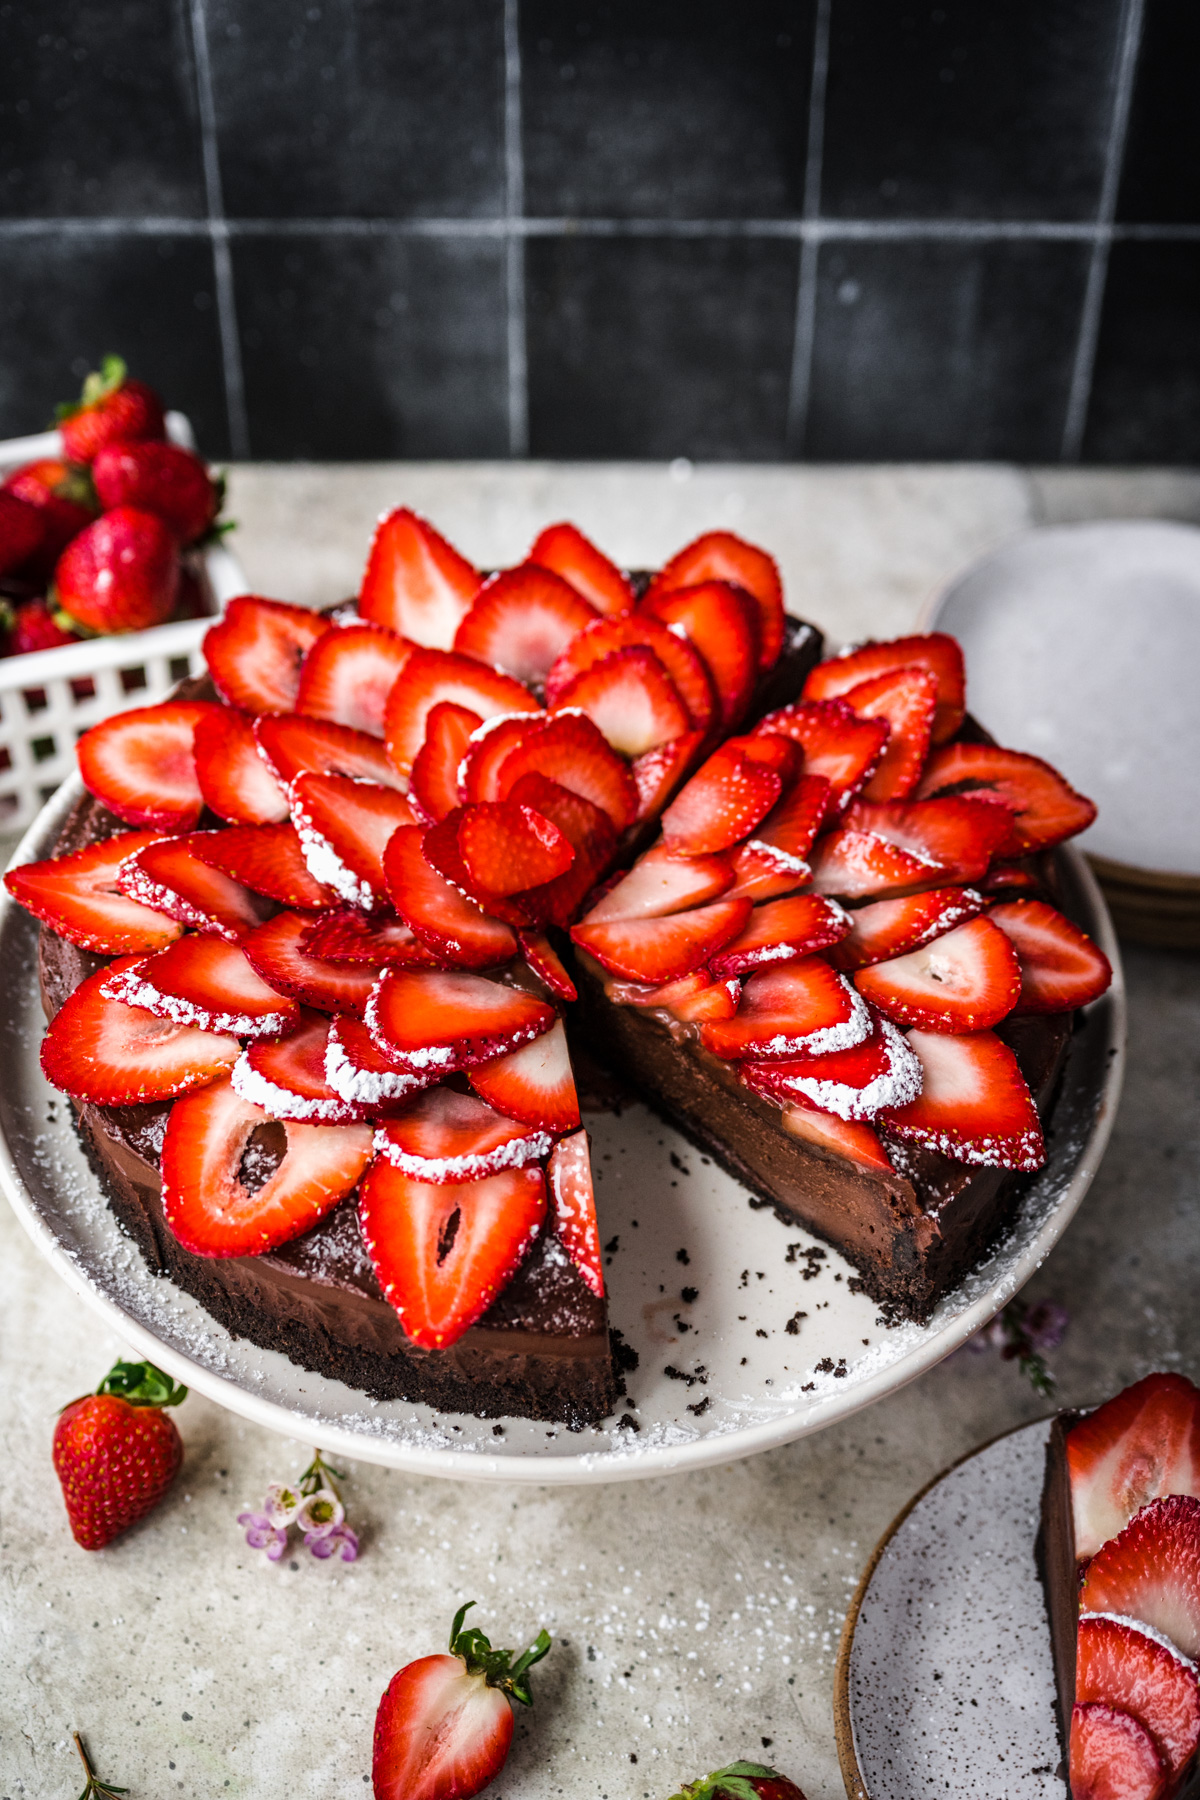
(722, 625)
(803, 1009)
(858, 864)
(447, 1020)
(720, 556)
(521, 620)
(659, 773)
(77, 896)
(349, 673)
(781, 931)
(1061, 968)
(113, 1054)
(344, 827)
(431, 676)
(974, 1105)
(233, 778)
(632, 700)
(891, 847)
(169, 876)
(725, 799)
(890, 928)
(121, 573)
(434, 782)
(453, 927)
(546, 964)
(116, 1452)
(442, 1135)
(292, 745)
(159, 478)
(907, 699)
(276, 950)
(360, 1071)
(346, 935)
(1142, 1444)
(141, 764)
(833, 1136)
(1113, 1756)
(1120, 1663)
(1040, 806)
(286, 1076)
(603, 638)
(205, 982)
(967, 980)
(256, 650)
(487, 751)
(267, 859)
(1151, 1571)
(533, 1084)
(113, 408)
(855, 1083)
(741, 1781)
(415, 583)
(507, 847)
(934, 650)
(773, 860)
(22, 531)
(837, 744)
(570, 1175)
(654, 949)
(568, 749)
(660, 883)
(566, 550)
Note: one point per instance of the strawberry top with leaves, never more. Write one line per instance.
(113, 408)
(116, 1452)
(741, 1781)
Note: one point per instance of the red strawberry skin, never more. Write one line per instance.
(35, 629)
(121, 574)
(114, 409)
(22, 530)
(1142, 1444)
(115, 1462)
(1151, 1572)
(159, 478)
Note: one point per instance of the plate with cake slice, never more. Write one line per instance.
(554, 1025)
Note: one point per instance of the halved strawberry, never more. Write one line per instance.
(444, 1021)
(773, 860)
(638, 631)
(114, 1054)
(974, 1103)
(890, 928)
(507, 847)
(933, 650)
(836, 1137)
(169, 876)
(568, 749)
(434, 781)
(1151, 1571)
(1041, 808)
(1113, 1756)
(521, 620)
(967, 980)
(234, 780)
(415, 583)
(721, 623)
(907, 699)
(486, 752)
(781, 931)
(1120, 1663)
(546, 964)
(721, 556)
(277, 951)
(349, 673)
(1140, 1445)
(590, 832)
(430, 676)
(533, 1084)
(454, 928)
(692, 998)
(654, 950)
(77, 896)
(724, 800)
(803, 1009)
(204, 981)
(658, 772)
(441, 1135)
(360, 1071)
(268, 859)
(344, 827)
(570, 554)
(836, 743)
(631, 698)
(207, 1200)
(292, 745)
(349, 936)
(660, 883)
(570, 1174)
(256, 650)
(1061, 968)
(141, 764)
(854, 1084)
(286, 1076)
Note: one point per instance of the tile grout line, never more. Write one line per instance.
(218, 231)
(514, 239)
(800, 384)
(1080, 392)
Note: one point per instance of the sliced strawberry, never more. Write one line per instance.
(142, 766)
(1151, 1571)
(568, 749)
(890, 928)
(286, 1076)
(854, 1084)
(693, 998)
(684, 665)
(658, 773)
(348, 936)
(344, 827)
(660, 883)
(721, 623)
(857, 864)
(654, 950)
(1122, 1664)
(1009, 878)
(896, 846)
(533, 1084)
(590, 832)
(277, 951)
(1140, 1445)
(169, 876)
(773, 750)
(77, 896)
(804, 1009)
(773, 860)
(974, 1103)
(348, 675)
(234, 780)
(268, 859)
(431, 676)
(521, 620)
(719, 556)
(444, 1251)
(207, 1199)
(967, 980)
(446, 1020)
(292, 745)
(114, 1054)
(256, 650)
(487, 750)
(907, 699)
(570, 554)
(1061, 968)
(507, 847)
(837, 744)
(546, 964)
(441, 1135)
(360, 1071)
(1040, 807)
(850, 1139)
(781, 931)
(453, 927)
(570, 1175)
(204, 981)
(434, 782)
(933, 650)
(724, 800)
(631, 698)
(1113, 1756)
(415, 583)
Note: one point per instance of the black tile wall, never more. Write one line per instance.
(1161, 179)
(1146, 392)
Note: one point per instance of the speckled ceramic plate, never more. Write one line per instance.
(945, 1679)
(746, 1330)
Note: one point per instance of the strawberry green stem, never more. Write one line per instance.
(142, 1385)
(496, 1666)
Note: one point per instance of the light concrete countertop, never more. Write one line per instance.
(696, 1618)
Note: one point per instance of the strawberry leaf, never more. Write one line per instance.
(142, 1385)
(494, 1665)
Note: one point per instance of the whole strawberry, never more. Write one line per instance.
(121, 574)
(62, 496)
(113, 408)
(21, 531)
(116, 1452)
(445, 1723)
(741, 1781)
(34, 627)
(159, 478)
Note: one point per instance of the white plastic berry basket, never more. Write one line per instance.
(48, 699)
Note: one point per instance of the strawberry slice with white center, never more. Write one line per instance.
(836, 743)
(142, 766)
(848, 1138)
(235, 781)
(348, 675)
(507, 847)
(570, 1175)
(1061, 968)
(721, 623)
(566, 550)
(546, 964)
(684, 665)
(434, 781)
(658, 773)
(344, 827)
(1123, 1664)
(533, 1084)
(360, 1071)
(348, 936)
(632, 700)
(453, 927)
(721, 556)
(781, 931)
(487, 750)
(1040, 807)
(724, 800)
(890, 928)
(443, 1251)
(112, 1054)
(286, 1076)
(208, 1201)
(444, 1020)
(660, 883)
(803, 1009)
(77, 896)
(654, 950)
(1138, 1446)
(967, 980)
(907, 699)
(974, 1104)
(256, 650)
(773, 861)
(521, 620)
(1151, 1572)
(267, 859)
(1113, 1756)
(587, 829)
(292, 745)
(933, 650)
(431, 676)
(205, 982)
(277, 951)
(441, 1135)
(415, 583)
(169, 876)
(953, 839)
(854, 1084)
(569, 749)
(856, 864)
(693, 998)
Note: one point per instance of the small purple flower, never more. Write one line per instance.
(1045, 1325)
(263, 1534)
(320, 1514)
(329, 1542)
(281, 1504)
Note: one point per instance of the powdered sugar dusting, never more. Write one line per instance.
(132, 988)
(325, 865)
(471, 1167)
(280, 1102)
